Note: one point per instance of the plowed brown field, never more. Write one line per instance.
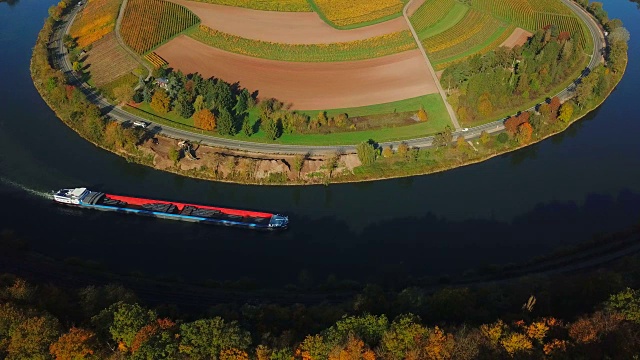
(308, 85)
(283, 27)
(517, 38)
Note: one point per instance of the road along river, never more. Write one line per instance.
(562, 191)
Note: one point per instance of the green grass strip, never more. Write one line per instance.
(438, 120)
(453, 17)
(346, 51)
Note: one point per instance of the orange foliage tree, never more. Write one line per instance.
(76, 344)
(524, 133)
(233, 354)
(204, 120)
(512, 123)
(439, 345)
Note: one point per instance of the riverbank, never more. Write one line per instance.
(251, 168)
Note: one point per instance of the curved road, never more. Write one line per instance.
(61, 61)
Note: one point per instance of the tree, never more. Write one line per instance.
(271, 128)
(515, 343)
(387, 152)
(485, 107)
(554, 106)
(175, 155)
(31, 338)
(367, 152)
(205, 339)
(76, 344)
(341, 120)
(403, 337)
(422, 115)
(225, 123)
(198, 103)
(566, 111)
(332, 163)
(485, 138)
(223, 98)
(298, 163)
(242, 102)
(123, 93)
(524, 133)
(157, 340)
(247, 127)
(627, 302)
(128, 320)
(160, 102)
(322, 118)
(205, 120)
(76, 66)
(402, 149)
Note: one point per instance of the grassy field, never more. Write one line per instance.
(97, 19)
(347, 51)
(356, 13)
(432, 103)
(148, 23)
(267, 5)
(455, 15)
(438, 120)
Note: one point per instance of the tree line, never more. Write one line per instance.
(216, 105)
(107, 322)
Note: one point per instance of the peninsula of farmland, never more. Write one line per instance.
(333, 54)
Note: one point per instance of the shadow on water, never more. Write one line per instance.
(390, 252)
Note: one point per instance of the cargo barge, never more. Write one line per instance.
(83, 197)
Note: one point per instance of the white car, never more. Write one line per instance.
(141, 124)
(464, 129)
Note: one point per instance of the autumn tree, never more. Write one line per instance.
(156, 340)
(422, 115)
(204, 119)
(206, 338)
(402, 149)
(626, 302)
(233, 354)
(31, 338)
(439, 345)
(313, 347)
(127, 321)
(554, 106)
(76, 344)
(160, 102)
(524, 133)
(403, 337)
(485, 107)
(387, 152)
(516, 343)
(566, 112)
(485, 138)
(353, 349)
(367, 152)
(298, 163)
(341, 120)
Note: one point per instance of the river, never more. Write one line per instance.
(560, 192)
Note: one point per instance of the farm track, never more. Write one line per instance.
(61, 61)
